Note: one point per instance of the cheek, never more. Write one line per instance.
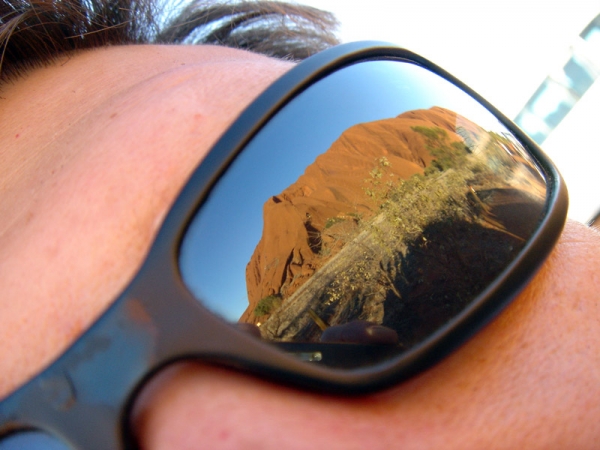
(192, 405)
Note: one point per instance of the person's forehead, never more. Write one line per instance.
(98, 73)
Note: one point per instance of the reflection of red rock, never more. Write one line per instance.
(332, 187)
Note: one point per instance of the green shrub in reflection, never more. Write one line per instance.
(446, 153)
(267, 305)
(433, 243)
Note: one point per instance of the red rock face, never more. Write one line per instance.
(332, 196)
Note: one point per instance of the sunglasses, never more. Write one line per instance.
(361, 219)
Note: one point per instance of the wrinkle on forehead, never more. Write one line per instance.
(94, 151)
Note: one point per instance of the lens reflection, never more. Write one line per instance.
(369, 212)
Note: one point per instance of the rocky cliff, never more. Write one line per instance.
(303, 223)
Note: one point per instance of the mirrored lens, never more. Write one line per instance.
(368, 213)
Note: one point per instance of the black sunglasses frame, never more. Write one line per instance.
(85, 396)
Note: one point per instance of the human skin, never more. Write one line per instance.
(94, 149)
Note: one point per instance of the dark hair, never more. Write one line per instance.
(36, 32)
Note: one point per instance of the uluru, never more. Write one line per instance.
(401, 222)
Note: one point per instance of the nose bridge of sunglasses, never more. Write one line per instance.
(81, 396)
